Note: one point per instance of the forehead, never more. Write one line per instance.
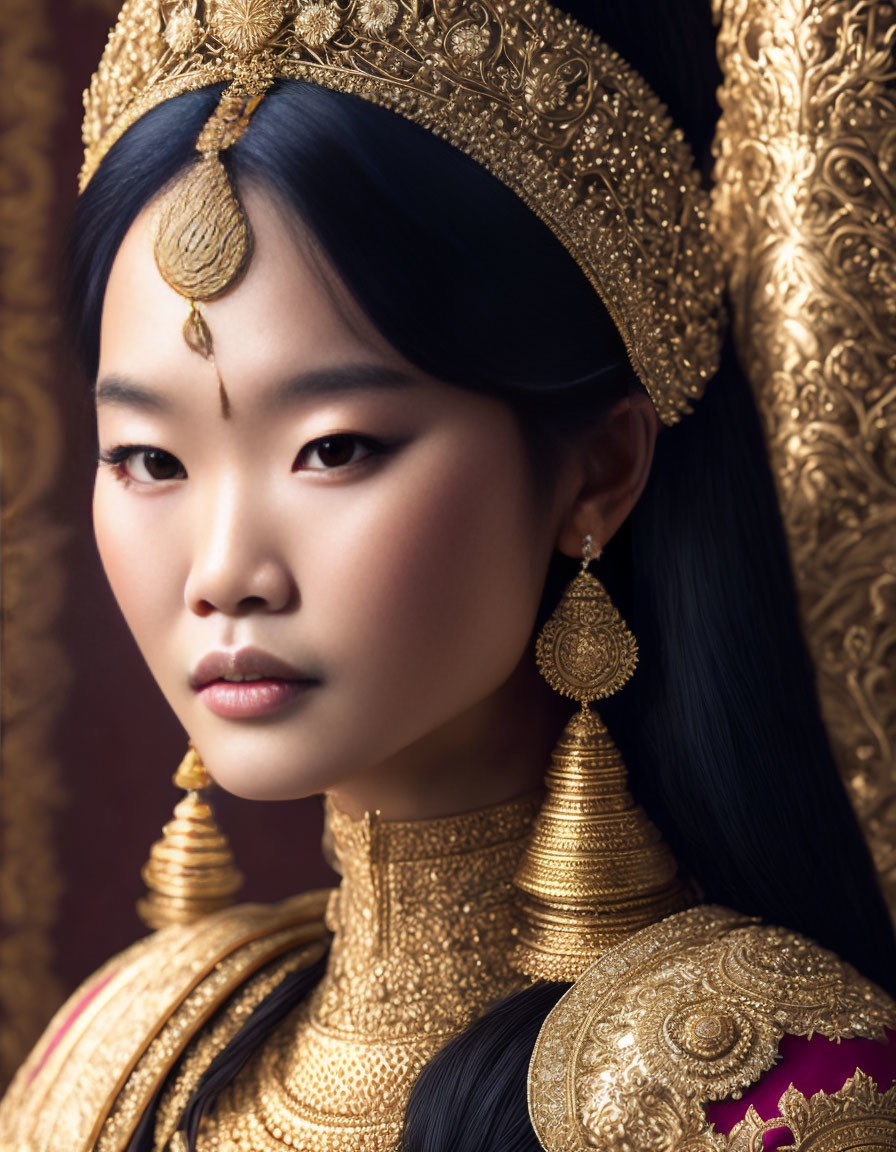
(288, 312)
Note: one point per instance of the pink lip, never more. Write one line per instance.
(279, 683)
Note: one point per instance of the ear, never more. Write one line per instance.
(609, 473)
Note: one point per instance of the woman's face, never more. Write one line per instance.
(342, 569)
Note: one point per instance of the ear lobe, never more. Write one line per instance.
(614, 463)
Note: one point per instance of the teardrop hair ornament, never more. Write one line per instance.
(595, 869)
(202, 241)
(191, 870)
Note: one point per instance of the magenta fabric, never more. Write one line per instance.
(810, 1065)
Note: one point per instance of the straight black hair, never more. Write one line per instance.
(721, 727)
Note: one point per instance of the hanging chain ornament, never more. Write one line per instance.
(191, 870)
(595, 869)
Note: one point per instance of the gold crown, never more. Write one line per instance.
(520, 87)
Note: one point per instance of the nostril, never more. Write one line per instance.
(251, 603)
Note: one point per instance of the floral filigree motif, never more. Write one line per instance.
(245, 25)
(376, 17)
(183, 31)
(317, 23)
(468, 42)
(545, 91)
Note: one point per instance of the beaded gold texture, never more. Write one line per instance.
(520, 87)
(421, 925)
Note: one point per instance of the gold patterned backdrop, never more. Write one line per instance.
(33, 663)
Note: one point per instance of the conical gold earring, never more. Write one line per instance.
(595, 869)
(190, 871)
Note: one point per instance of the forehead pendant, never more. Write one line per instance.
(202, 241)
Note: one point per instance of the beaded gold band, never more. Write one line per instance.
(531, 95)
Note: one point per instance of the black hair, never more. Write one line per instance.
(721, 727)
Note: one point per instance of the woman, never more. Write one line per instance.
(361, 421)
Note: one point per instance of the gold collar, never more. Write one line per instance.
(421, 946)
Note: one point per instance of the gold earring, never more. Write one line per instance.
(595, 869)
(190, 871)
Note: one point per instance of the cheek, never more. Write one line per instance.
(139, 556)
(442, 578)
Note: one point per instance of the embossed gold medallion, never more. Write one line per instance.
(585, 650)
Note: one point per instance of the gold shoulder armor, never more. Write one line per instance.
(109, 1049)
(691, 1011)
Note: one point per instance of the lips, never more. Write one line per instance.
(248, 683)
(247, 663)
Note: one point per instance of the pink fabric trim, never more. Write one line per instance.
(816, 1065)
(73, 1015)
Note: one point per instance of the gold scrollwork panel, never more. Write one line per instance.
(805, 205)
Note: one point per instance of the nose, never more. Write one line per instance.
(237, 565)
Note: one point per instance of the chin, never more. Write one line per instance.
(254, 768)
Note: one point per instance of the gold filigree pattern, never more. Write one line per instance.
(805, 206)
(111, 1045)
(585, 651)
(858, 1118)
(691, 1010)
(520, 87)
(35, 670)
(422, 922)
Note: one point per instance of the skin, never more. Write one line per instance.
(406, 581)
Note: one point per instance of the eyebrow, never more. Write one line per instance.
(126, 393)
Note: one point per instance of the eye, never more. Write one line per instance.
(336, 451)
(144, 465)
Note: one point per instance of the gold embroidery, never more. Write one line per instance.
(805, 206)
(688, 1011)
(215, 1039)
(152, 1068)
(858, 1118)
(70, 1084)
(422, 922)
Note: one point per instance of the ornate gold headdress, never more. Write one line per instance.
(520, 87)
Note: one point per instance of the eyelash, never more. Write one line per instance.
(117, 458)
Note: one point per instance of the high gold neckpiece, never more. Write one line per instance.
(423, 926)
(531, 95)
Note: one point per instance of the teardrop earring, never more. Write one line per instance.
(595, 869)
(190, 871)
